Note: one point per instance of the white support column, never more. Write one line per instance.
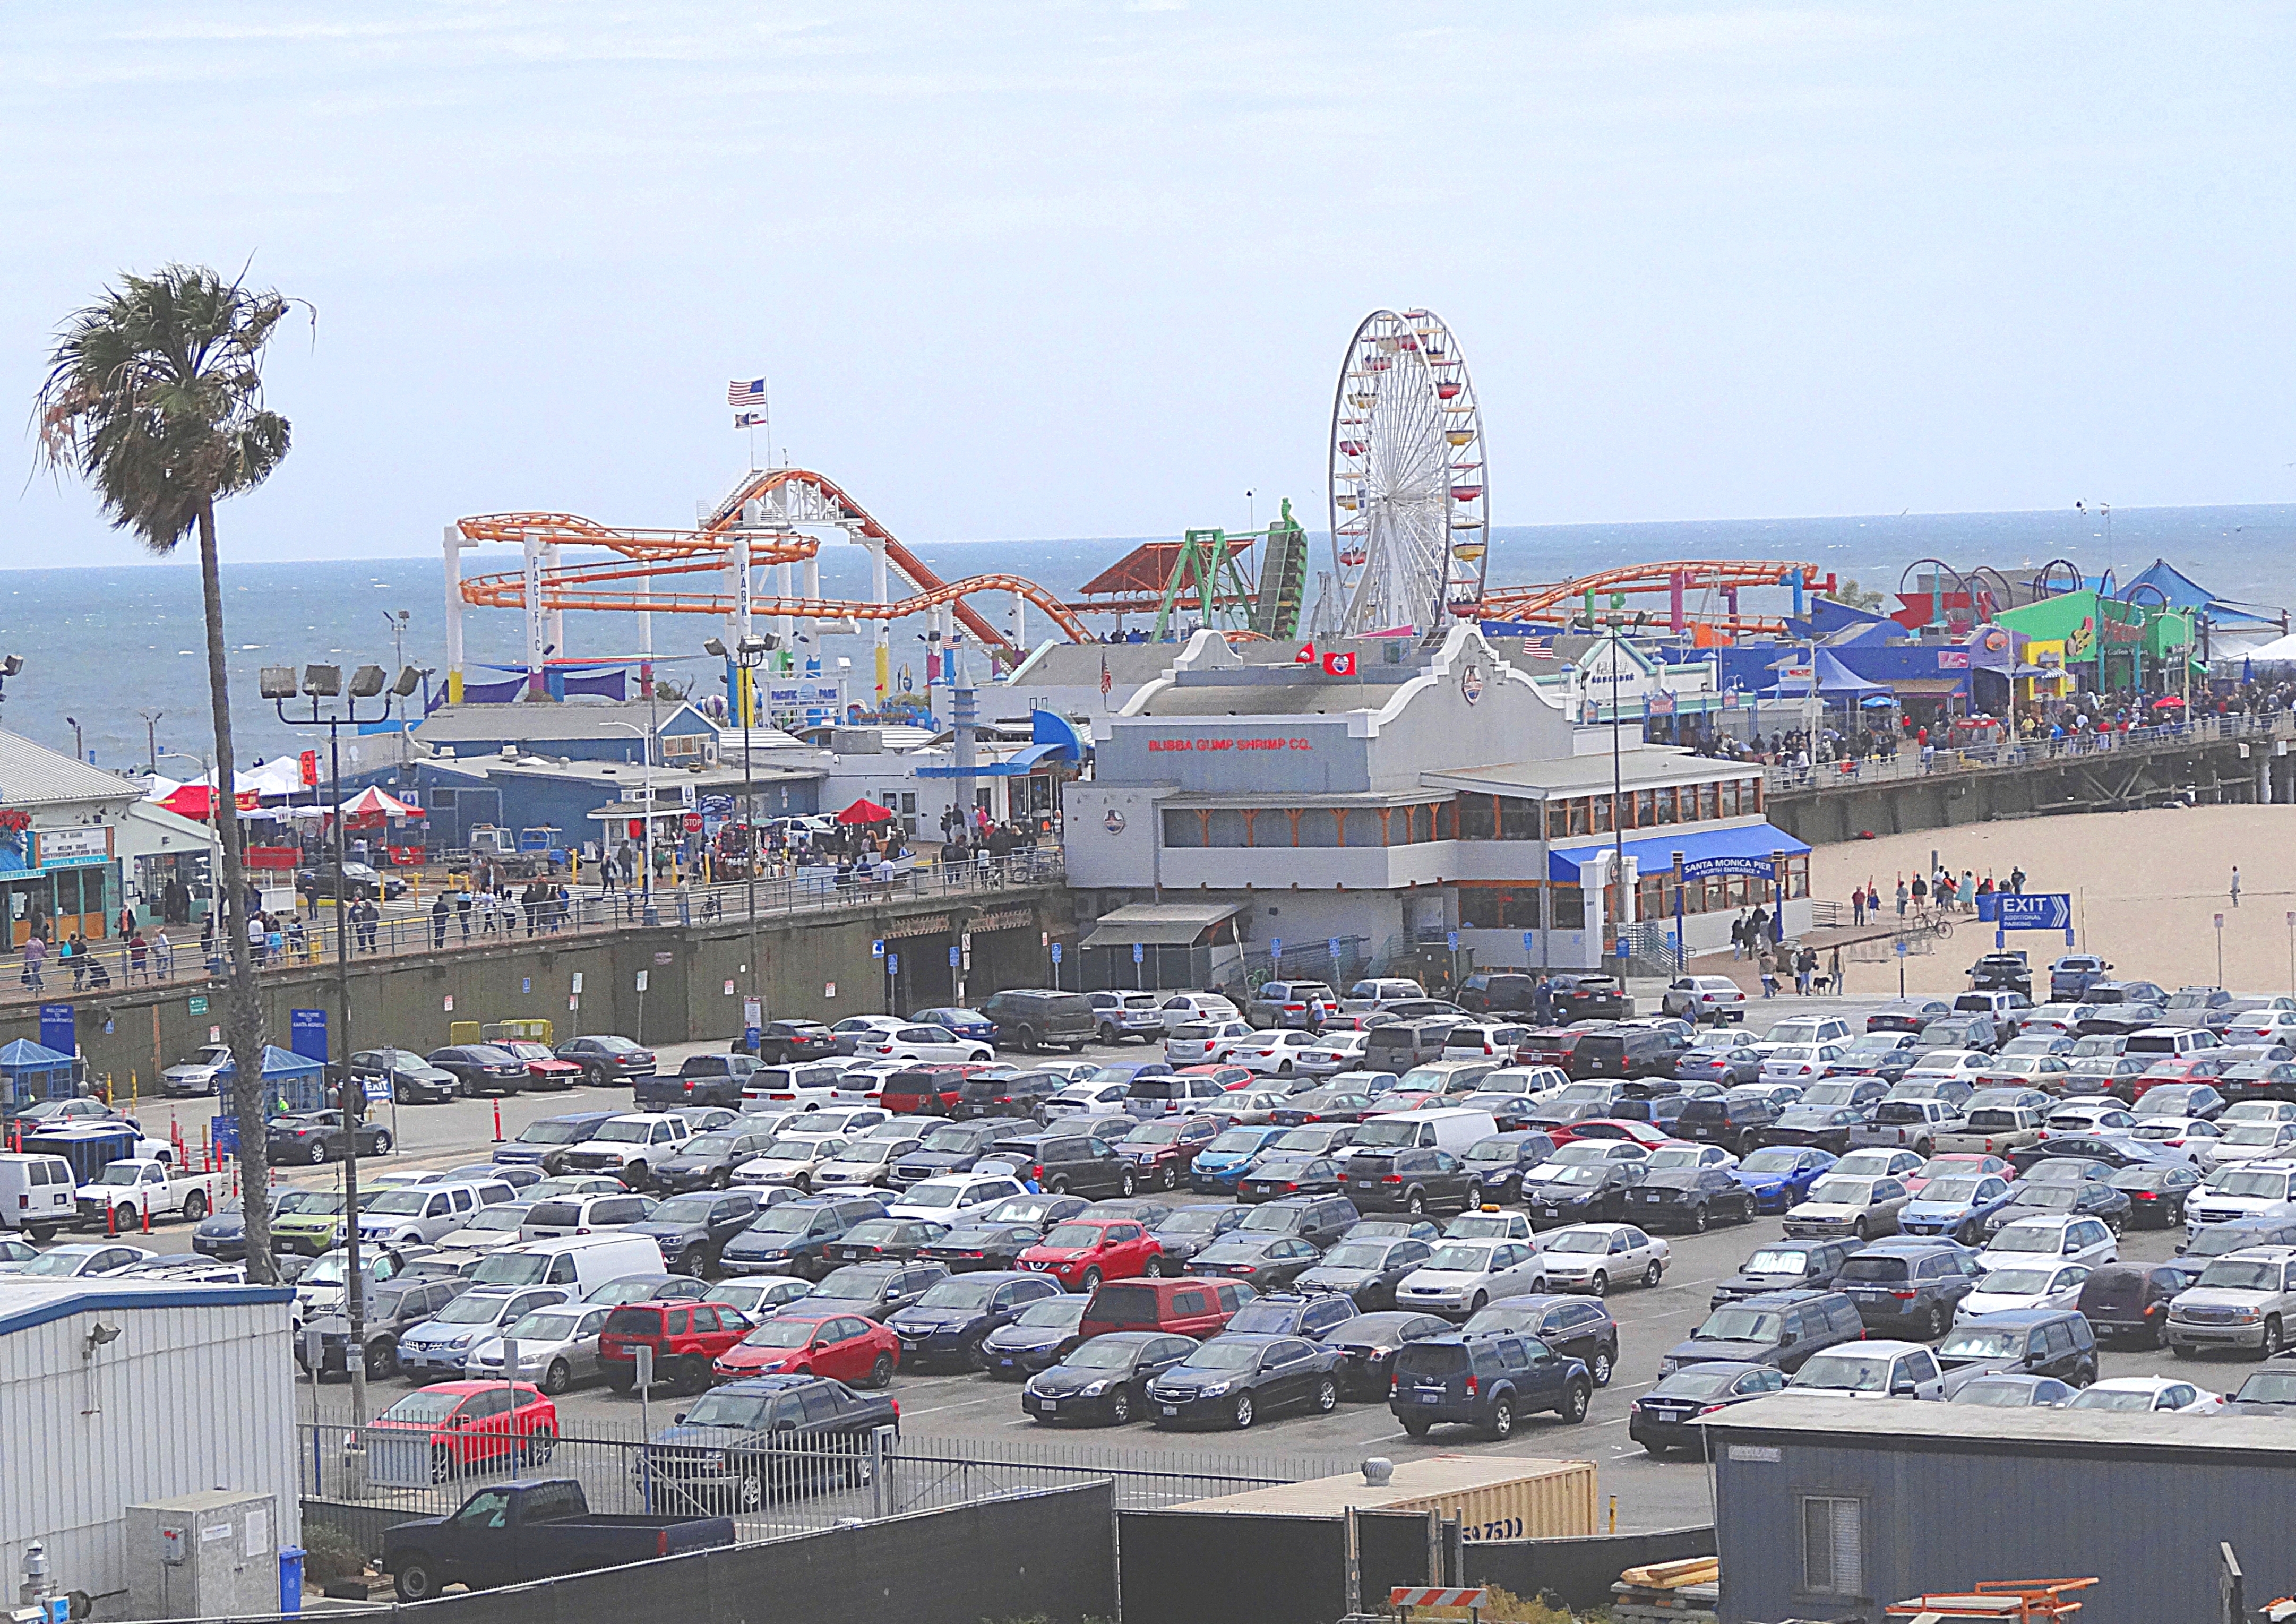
(557, 623)
(1021, 625)
(883, 636)
(531, 600)
(784, 626)
(646, 642)
(808, 627)
(454, 544)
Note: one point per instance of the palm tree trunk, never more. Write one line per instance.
(243, 1009)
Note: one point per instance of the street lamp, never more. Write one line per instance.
(152, 736)
(79, 751)
(215, 831)
(748, 653)
(1617, 795)
(278, 685)
(645, 846)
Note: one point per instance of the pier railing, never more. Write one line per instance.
(1912, 762)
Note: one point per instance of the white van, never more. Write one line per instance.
(1453, 1129)
(35, 1195)
(805, 1083)
(581, 1263)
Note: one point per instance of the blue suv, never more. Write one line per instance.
(1485, 1381)
(1227, 1158)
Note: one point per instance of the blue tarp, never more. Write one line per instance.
(1743, 850)
(2183, 592)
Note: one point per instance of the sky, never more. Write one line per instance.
(1021, 269)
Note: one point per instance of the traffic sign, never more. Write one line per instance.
(1334, 946)
(2036, 911)
(377, 1088)
(1529, 941)
(1451, 941)
(1139, 953)
(692, 822)
(892, 964)
(876, 949)
(955, 956)
(1904, 947)
(2220, 921)
(1056, 952)
(1275, 946)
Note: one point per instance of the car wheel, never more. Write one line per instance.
(976, 1352)
(1059, 1187)
(1477, 1304)
(413, 1581)
(1414, 1203)
(1474, 1196)
(1024, 1038)
(2086, 1376)
(1168, 1177)
(1242, 1411)
(1126, 1184)
(318, 1155)
(881, 1373)
(381, 1142)
(1502, 1423)
(1651, 1275)
(1575, 1398)
(1153, 1268)
(1091, 1281)
(1601, 1367)
(1657, 1452)
(1120, 1406)
(1858, 1229)
(557, 1379)
(1414, 1427)
(381, 1360)
(540, 1446)
(2181, 1351)
(1600, 1284)
(1697, 1220)
(1327, 1396)
(1937, 1321)
(2272, 1336)
(195, 1206)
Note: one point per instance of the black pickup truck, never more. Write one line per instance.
(531, 1529)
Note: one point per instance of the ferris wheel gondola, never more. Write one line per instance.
(1409, 495)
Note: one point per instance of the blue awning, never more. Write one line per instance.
(1744, 849)
(1051, 727)
(1020, 765)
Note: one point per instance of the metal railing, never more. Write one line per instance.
(309, 940)
(772, 1484)
(1912, 762)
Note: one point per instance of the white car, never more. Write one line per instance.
(2146, 1395)
(1088, 1099)
(1595, 1152)
(1809, 1029)
(84, 1260)
(1182, 1007)
(1538, 1083)
(833, 1121)
(2265, 1026)
(2107, 1118)
(1331, 1055)
(2044, 1239)
(867, 1160)
(1596, 1256)
(1459, 1277)
(790, 1163)
(1800, 1063)
(1688, 1156)
(1196, 1043)
(1473, 1041)
(862, 1083)
(2250, 1142)
(494, 1226)
(2246, 1191)
(1490, 1224)
(2026, 1285)
(1781, 1095)
(955, 1198)
(2192, 1137)
(865, 1028)
(1704, 997)
(2244, 1300)
(926, 1044)
(1879, 1162)
(2259, 1111)
(1963, 1063)
(584, 1215)
(1273, 1052)
(1871, 1370)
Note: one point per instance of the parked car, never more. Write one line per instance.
(1557, 1192)
(1779, 1176)
(557, 1347)
(1366, 1271)
(481, 1069)
(873, 1290)
(2242, 1301)
(1690, 1198)
(2033, 1240)
(1233, 1380)
(1460, 1278)
(2055, 1343)
(413, 1081)
(1105, 1380)
(318, 1136)
(693, 1230)
(1485, 1381)
(391, 1308)
(1028, 1019)
(1668, 1416)
(1593, 1257)
(1083, 1251)
(754, 1441)
(2146, 1395)
(2156, 1194)
(1910, 1290)
(1873, 1370)
(793, 1238)
(1780, 1329)
(436, 1348)
(1265, 1262)
(1787, 1266)
(1842, 1204)
(1410, 1180)
(1188, 1230)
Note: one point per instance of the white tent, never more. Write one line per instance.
(2280, 650)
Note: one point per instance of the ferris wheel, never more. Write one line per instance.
(1409, 496)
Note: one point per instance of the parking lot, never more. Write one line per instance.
(1650, 1494)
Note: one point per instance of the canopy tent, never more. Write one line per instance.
(2280, 650)
(290, 1081)
(1833, 677)
(2182, 592)
(1744, 849)
(371, 808)
(866, 811)
(195, 799)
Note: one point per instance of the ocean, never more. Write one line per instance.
(113, 646)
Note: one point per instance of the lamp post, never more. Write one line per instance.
(645, 846)
(79, 748)
(278, 685)
(747, 654)
(152, 737)
(1618, 796)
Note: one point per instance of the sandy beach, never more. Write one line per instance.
(2147, 888)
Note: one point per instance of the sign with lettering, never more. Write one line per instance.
(1160, 746)
(71, 848)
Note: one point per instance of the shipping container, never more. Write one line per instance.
(1492, 1497)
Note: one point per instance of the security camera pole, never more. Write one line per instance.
(748, 653)
(326, 682)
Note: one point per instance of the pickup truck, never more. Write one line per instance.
(135, 1189)
(528, 1529)
(1992, 1130)
(1917, 1125)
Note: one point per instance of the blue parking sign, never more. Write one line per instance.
(1453, 941)
(1139, 953)
(1334, 945)
(877, 949)
(956, 955)
(892, 964)
(1056, 952)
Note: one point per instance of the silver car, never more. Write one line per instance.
(792, 1160)
(557, 1347)
(436, 1350)
(863, 1162)
(1459, 1277)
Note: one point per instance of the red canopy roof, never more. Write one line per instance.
(864, 811)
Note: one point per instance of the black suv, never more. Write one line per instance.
(1624, 1051)
(2020, 1342)
(1021, 1095)
(1781, 1330)
(1412, 1181)
(709, 1159)
(1576, 1327)
(1734, 1120)
(2002, 972)
(1590, 997)
(1784, 1265)
(749, 1443)
(952, 1147)
(1690, 1198)
(1313, 1316)
(782, 1042)
(1488, 991)
(1485, 1381)
(791, 1238)
(1028, 1018)
(1321, 1219)
(1909, 1290)
(391, 1309)
(1065, 1162)
(1401, 1044)
(693, 1229)
(2131, 1300)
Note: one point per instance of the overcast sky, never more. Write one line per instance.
(1038, 270)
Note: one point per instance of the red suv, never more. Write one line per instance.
(1082, 1252)
(924, 1090)
(1188, 1305)
(686, 1338)
(1161, 1151)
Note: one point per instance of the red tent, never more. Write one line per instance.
(196, 801)
(866, 811)
(370, 808)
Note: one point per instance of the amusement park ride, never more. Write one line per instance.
(1410, 539)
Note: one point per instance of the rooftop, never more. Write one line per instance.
(25, 1303)
(1911, 1425)
(1639, 767)
(567, 719)
(33, 776)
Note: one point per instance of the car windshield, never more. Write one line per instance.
(1058, 1313)
(393, 1202)
(1830, 1096)
(476, 1308)
(423, 1409)
(930, 1194)
(734, 1411)
(1741, 1325)
(1578, 1240)
(1697, 1381)
(509, 1216)
(684, 1209)
(1103, 1353)
(793, 1150)
(2251, 1181)
(1218, 1354)
(870, 1150)
(1074, 1236)
(1772, 1161)
(1481, 1226)
(2021, 1237)
(1775, 1261)
(1845, 1371)
(1845, 1192)
(1238, 1139)
(2050, 1197)
(783, 1220)
(2253, 1133)
(2269, 1387)
(1191, 1220)
(1951, 1190)
(1384, 1135)
(626, 1133)
(1975, 1344)
(317, 1201)
(1473, 1259)
(1354, 1254)
(1026, 1209)
(546, 1325)
(2240, 1275)
(1564, 1173)
(1496, 1151)
(2111, 1399)
(1154, 1133)
(961, 1292)
(1995, 1395)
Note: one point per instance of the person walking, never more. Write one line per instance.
(1804, 968)
(1901, 896)
(1542, 999)
(1769, 969)
(2016, 881)
(1921, 893)
(439, 922)
(1968, 891)
(1856, 905)
(163, 956)
(2235, 885)
(463, 903)
(1738, 938)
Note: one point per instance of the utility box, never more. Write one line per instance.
(208, 1555)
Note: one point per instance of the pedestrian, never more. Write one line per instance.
(1921, 893)
(74, 953)
(1542, 1001)
(439, 922)
(462, 903)
(1805, 967)
(1901, 896)
(1769, 968)
(1778, 925)
(139, 955)
(1856, 905)
(2016, 881)
(2235, 885)
(1968, 891)
(1738, 938)
(163, 956)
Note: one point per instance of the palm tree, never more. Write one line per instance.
(154, 396)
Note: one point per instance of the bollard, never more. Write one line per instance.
(1614, 1514)
(110, 1221)
(498, 1138)
(147, 1217)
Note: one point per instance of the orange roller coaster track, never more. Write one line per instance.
(1556, 602)
(794, 497)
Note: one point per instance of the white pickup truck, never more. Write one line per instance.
(132, 1190)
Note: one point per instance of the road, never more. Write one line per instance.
(1650, 1494)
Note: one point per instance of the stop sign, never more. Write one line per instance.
(694, 823)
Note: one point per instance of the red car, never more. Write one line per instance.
(1955, 1164)
(925, 1090)
(546, 1070)
(1643, 1134)
(2182, 1068)
(686, 1338)
(469, 1423)
(1161, 1151)
(846, 1346)
(1082, 1252)
(1222, 1073)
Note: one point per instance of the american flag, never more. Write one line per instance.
(745, 393)
(1106, 681)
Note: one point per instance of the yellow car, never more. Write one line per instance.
(314, 1225)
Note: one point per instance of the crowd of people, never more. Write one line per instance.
(1940, 890)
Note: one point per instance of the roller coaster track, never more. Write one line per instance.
(1554, 604)
(791, 498)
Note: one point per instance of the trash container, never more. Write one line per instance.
(290, 1578)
